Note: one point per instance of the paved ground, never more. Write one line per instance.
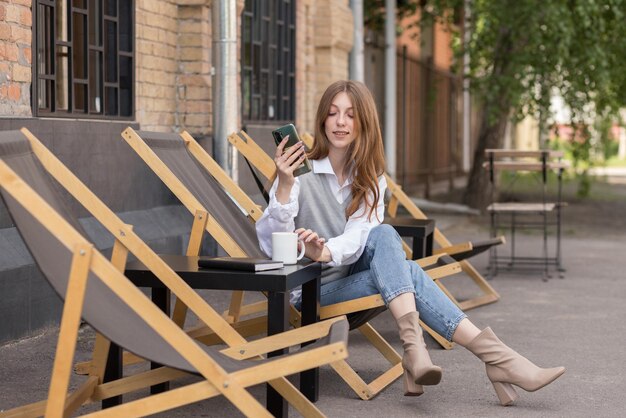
(576, 322)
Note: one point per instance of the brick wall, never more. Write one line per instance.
(333, 30)
(442, 50)
(173, 60)
(193, 80)
(15, 57)
(156, 68)
(324, 40)
(174, 65)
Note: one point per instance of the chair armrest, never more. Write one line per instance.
(283, 340)
(454, 249)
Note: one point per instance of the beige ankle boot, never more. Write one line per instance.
(418, 368)
(505, 367)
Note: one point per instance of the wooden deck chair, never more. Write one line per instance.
(258, 159)
(460, 251)
(201, 185)
(95, 289)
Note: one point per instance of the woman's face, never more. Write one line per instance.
(339, 124)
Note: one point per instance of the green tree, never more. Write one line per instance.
(524, 52)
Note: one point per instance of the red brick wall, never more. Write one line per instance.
(15, 57)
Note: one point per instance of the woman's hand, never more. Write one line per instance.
(314, 245)
(286, 163)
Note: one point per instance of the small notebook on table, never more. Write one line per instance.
(239, 263)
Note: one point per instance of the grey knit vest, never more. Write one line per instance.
(320, 211)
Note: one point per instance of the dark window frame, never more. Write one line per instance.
(268, 61)
(87, 92)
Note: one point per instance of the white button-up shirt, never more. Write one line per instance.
(345, 248)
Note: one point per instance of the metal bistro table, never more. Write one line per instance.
(277, 283)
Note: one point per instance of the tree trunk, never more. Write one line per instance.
(478, 191)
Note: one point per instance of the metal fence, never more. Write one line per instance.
(428, 147)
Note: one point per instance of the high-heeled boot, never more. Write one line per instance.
(418, 368)
(505, 367)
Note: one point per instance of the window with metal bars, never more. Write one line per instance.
(84, 58)
(268, 60)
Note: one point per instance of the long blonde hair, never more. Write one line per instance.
(366, 152)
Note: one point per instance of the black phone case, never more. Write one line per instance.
(290, 130)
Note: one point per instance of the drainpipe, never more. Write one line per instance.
(467, 109)
(390, 87)
(357, 71)
(224, 85)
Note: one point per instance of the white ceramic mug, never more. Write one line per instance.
(285, 247)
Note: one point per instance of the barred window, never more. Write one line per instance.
(84, 58)
(268, 60)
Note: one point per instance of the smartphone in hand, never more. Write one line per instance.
(290, 130)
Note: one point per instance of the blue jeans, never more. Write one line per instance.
(383, 268)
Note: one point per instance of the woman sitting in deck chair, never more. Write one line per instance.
(337, 210)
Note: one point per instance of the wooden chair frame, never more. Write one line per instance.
(264, 163)
(399, 197)
(237, 309)
(217, 381)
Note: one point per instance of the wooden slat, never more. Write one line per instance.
(514, 153)
(295, 363)
(220, 175)
(80, 395)
(440, 339)
(70, 322)
(32, 410)
(250, 151)
(284, 339)
(454, 249)
(521, 207)
(136, 382)
(385, 379)
(350, 306)
(380, 343)
(526, 166)
(356, 383)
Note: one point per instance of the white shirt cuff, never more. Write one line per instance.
(283, 212)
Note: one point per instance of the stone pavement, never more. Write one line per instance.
(576, 322)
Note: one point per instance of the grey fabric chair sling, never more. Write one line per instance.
(94, 289)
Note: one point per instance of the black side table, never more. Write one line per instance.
(420, 230)
(278, 285)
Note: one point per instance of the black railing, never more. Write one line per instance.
(268, 60)
(84, 58)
